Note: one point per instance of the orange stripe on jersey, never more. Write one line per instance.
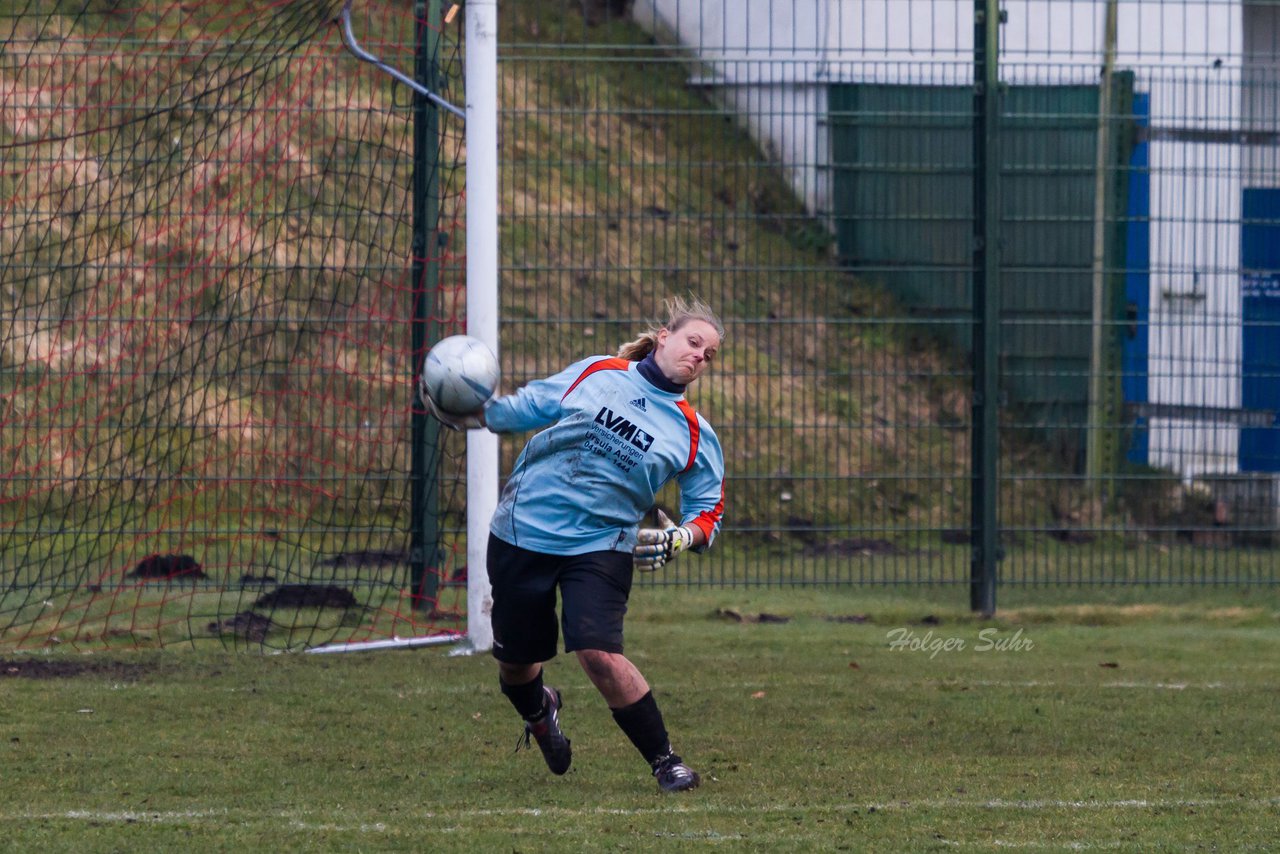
(691, 416)
(708, 519)
(611, 364)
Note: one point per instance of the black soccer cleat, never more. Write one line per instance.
(546, 731)
(673, 775)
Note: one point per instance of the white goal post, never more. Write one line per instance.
(482, 297)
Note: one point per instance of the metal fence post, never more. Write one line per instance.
(425, 451)
(984, 531)
(1095, 460)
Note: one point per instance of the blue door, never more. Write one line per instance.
(1137, 282)
(1260, 290)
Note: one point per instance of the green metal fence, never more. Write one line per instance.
(828, 175)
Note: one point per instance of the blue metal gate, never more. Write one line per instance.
(1260, 289)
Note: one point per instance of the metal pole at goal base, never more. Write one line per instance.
(387, 643)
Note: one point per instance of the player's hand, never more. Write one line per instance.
(474, 421)
(655, 547)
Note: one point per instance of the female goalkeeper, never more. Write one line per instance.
(617, 430)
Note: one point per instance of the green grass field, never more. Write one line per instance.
(1131, 727)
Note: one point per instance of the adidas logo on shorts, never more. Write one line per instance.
(638, 403)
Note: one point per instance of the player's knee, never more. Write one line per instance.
(517, 674)
(599, 663)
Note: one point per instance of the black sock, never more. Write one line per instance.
(642, 722)
(528, 698)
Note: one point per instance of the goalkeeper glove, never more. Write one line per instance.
(655, 547)
(473, 421)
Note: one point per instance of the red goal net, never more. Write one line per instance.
(213, 309)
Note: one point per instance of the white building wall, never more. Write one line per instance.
(1194, 355)
(767, 66)
(771, 61)
(1261, 94)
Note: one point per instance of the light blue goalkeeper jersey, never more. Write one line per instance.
(615, 439)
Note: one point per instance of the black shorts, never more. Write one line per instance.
(593, 596)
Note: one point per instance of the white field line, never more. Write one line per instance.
(123, 816)
(1148, 686)
(484, 693)
(301, 822)
(1167, 686)
(1036, 844)
(373, 827)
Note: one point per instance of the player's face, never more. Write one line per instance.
(683, 354)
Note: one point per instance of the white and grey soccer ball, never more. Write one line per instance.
(460, 374)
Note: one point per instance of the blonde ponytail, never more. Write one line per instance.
(634, 351)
